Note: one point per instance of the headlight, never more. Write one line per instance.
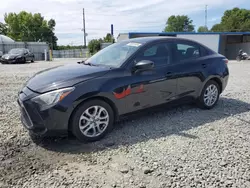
(49, 99)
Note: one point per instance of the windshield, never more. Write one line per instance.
(16, 51)
(114, 55)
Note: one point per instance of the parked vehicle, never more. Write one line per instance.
(242, 56)
(17, 55)
(87, 98)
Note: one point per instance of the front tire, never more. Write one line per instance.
(209, 95)
(92, 121)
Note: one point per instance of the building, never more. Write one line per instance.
(225, 43)
(5, 39)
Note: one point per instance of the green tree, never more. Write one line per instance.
(30, 27)
(177, 23)
(108, 38)
(217, 28)
(234, 20)
(94, 46)
(3, 29)
(202, 29)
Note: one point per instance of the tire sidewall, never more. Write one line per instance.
(74, 124)
(201, 98)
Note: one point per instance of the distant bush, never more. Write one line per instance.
(94, 46)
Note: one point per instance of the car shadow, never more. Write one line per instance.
(155, 124)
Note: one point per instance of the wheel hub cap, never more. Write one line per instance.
(210, 95)
(94, 121)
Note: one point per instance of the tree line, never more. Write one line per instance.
(28, 27)
(234, 20)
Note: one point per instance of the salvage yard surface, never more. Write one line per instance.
(179, 147)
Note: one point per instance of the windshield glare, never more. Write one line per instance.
(115, 54)
(16, 51)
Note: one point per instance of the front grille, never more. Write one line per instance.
(25, 116)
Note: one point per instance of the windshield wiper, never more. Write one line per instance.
(85, 63)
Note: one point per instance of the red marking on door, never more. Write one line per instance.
(123, 94)
(140, 89)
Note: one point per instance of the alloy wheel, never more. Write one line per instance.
(211, 95)
(94, 121)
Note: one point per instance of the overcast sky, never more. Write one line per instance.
(129, 15)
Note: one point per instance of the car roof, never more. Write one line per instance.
(150, 39)
(156, 38)
(145, 39)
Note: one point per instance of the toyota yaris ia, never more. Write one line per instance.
(87, 98)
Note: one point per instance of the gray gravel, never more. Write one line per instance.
(179, 147)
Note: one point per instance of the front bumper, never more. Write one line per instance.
(2, 60)
(50, 122)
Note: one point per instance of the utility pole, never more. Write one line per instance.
(206, 16)
(112, 32)
(84, 30)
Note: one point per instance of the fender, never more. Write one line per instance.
(218, 77)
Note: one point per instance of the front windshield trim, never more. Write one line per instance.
(16, 51)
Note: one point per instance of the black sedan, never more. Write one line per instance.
(17, 55)
(88, 98)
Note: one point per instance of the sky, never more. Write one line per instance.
(125, 15)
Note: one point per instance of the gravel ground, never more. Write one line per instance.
(179, 147)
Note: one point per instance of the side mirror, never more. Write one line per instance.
(144, 65)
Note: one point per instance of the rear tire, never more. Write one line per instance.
(92, 121)
(209, 95)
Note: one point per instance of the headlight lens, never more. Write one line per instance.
(49, 99)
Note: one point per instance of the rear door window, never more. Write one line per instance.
(188, 51)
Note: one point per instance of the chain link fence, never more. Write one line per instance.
(74, 53)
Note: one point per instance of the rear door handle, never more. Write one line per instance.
(204, 65)
(169, 73)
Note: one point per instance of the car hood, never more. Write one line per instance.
(9, 56)
(63, 76)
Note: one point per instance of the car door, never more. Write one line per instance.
(155, 86)
(28, 55)
(189, 63)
